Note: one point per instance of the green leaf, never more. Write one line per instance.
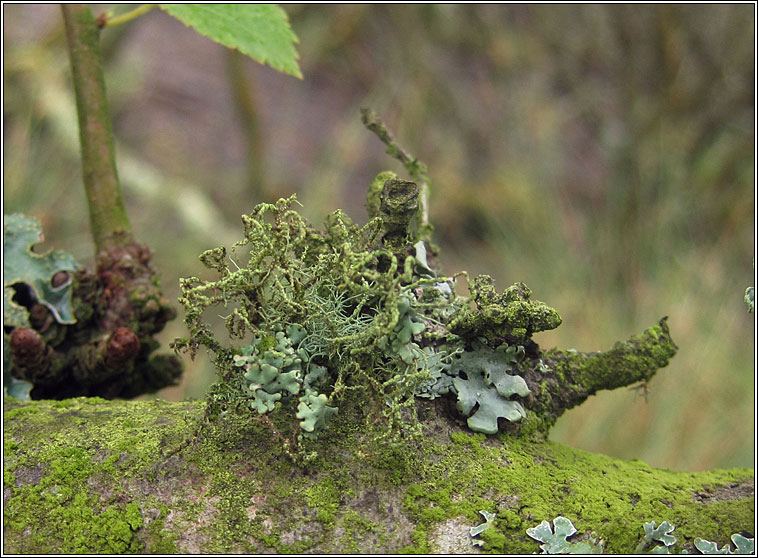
(261, 31)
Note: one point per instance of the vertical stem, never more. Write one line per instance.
(109, 223)
(244, 99)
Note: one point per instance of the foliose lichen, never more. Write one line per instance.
(742, 545)
(660, 534)
(555, 539)
(489, 519)
(42, 278)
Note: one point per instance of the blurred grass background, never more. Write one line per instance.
(603, 154)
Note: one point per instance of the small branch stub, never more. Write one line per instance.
(416, 169)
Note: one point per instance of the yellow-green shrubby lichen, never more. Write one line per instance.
(315, 317)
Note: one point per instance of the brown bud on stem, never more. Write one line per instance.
(30, 355)
(123, 345)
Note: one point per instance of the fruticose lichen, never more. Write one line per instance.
(318, 315)
(321, 318)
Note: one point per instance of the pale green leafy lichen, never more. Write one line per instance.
(483, 386)
(314, 412)
(279, 370)
(742, 545)
(555, 541)
(489, 519)
(399, 341)
(750, 299)
(34, 272)
(22, 265)
(653, 534)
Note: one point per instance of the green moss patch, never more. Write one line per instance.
(136, 477)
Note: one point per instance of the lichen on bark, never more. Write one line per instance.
(359, 319)
(370, 312)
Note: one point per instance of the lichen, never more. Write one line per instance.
(351, 308)
(742, 545)
(657, 539)
(511, 316)
(555, 539)
(315, 317)
(362, 310)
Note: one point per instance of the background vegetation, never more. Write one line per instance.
(604, 155)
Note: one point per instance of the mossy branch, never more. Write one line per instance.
(572, 376)
(114, 477)
(628, 362)
(108, 219)
(416, 169)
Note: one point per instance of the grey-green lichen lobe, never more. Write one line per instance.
(117, 477)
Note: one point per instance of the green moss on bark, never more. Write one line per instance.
(84, 476)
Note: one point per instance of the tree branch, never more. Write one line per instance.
(90, 476)
(103, 21)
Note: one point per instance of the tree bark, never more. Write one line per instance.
(87, 475)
